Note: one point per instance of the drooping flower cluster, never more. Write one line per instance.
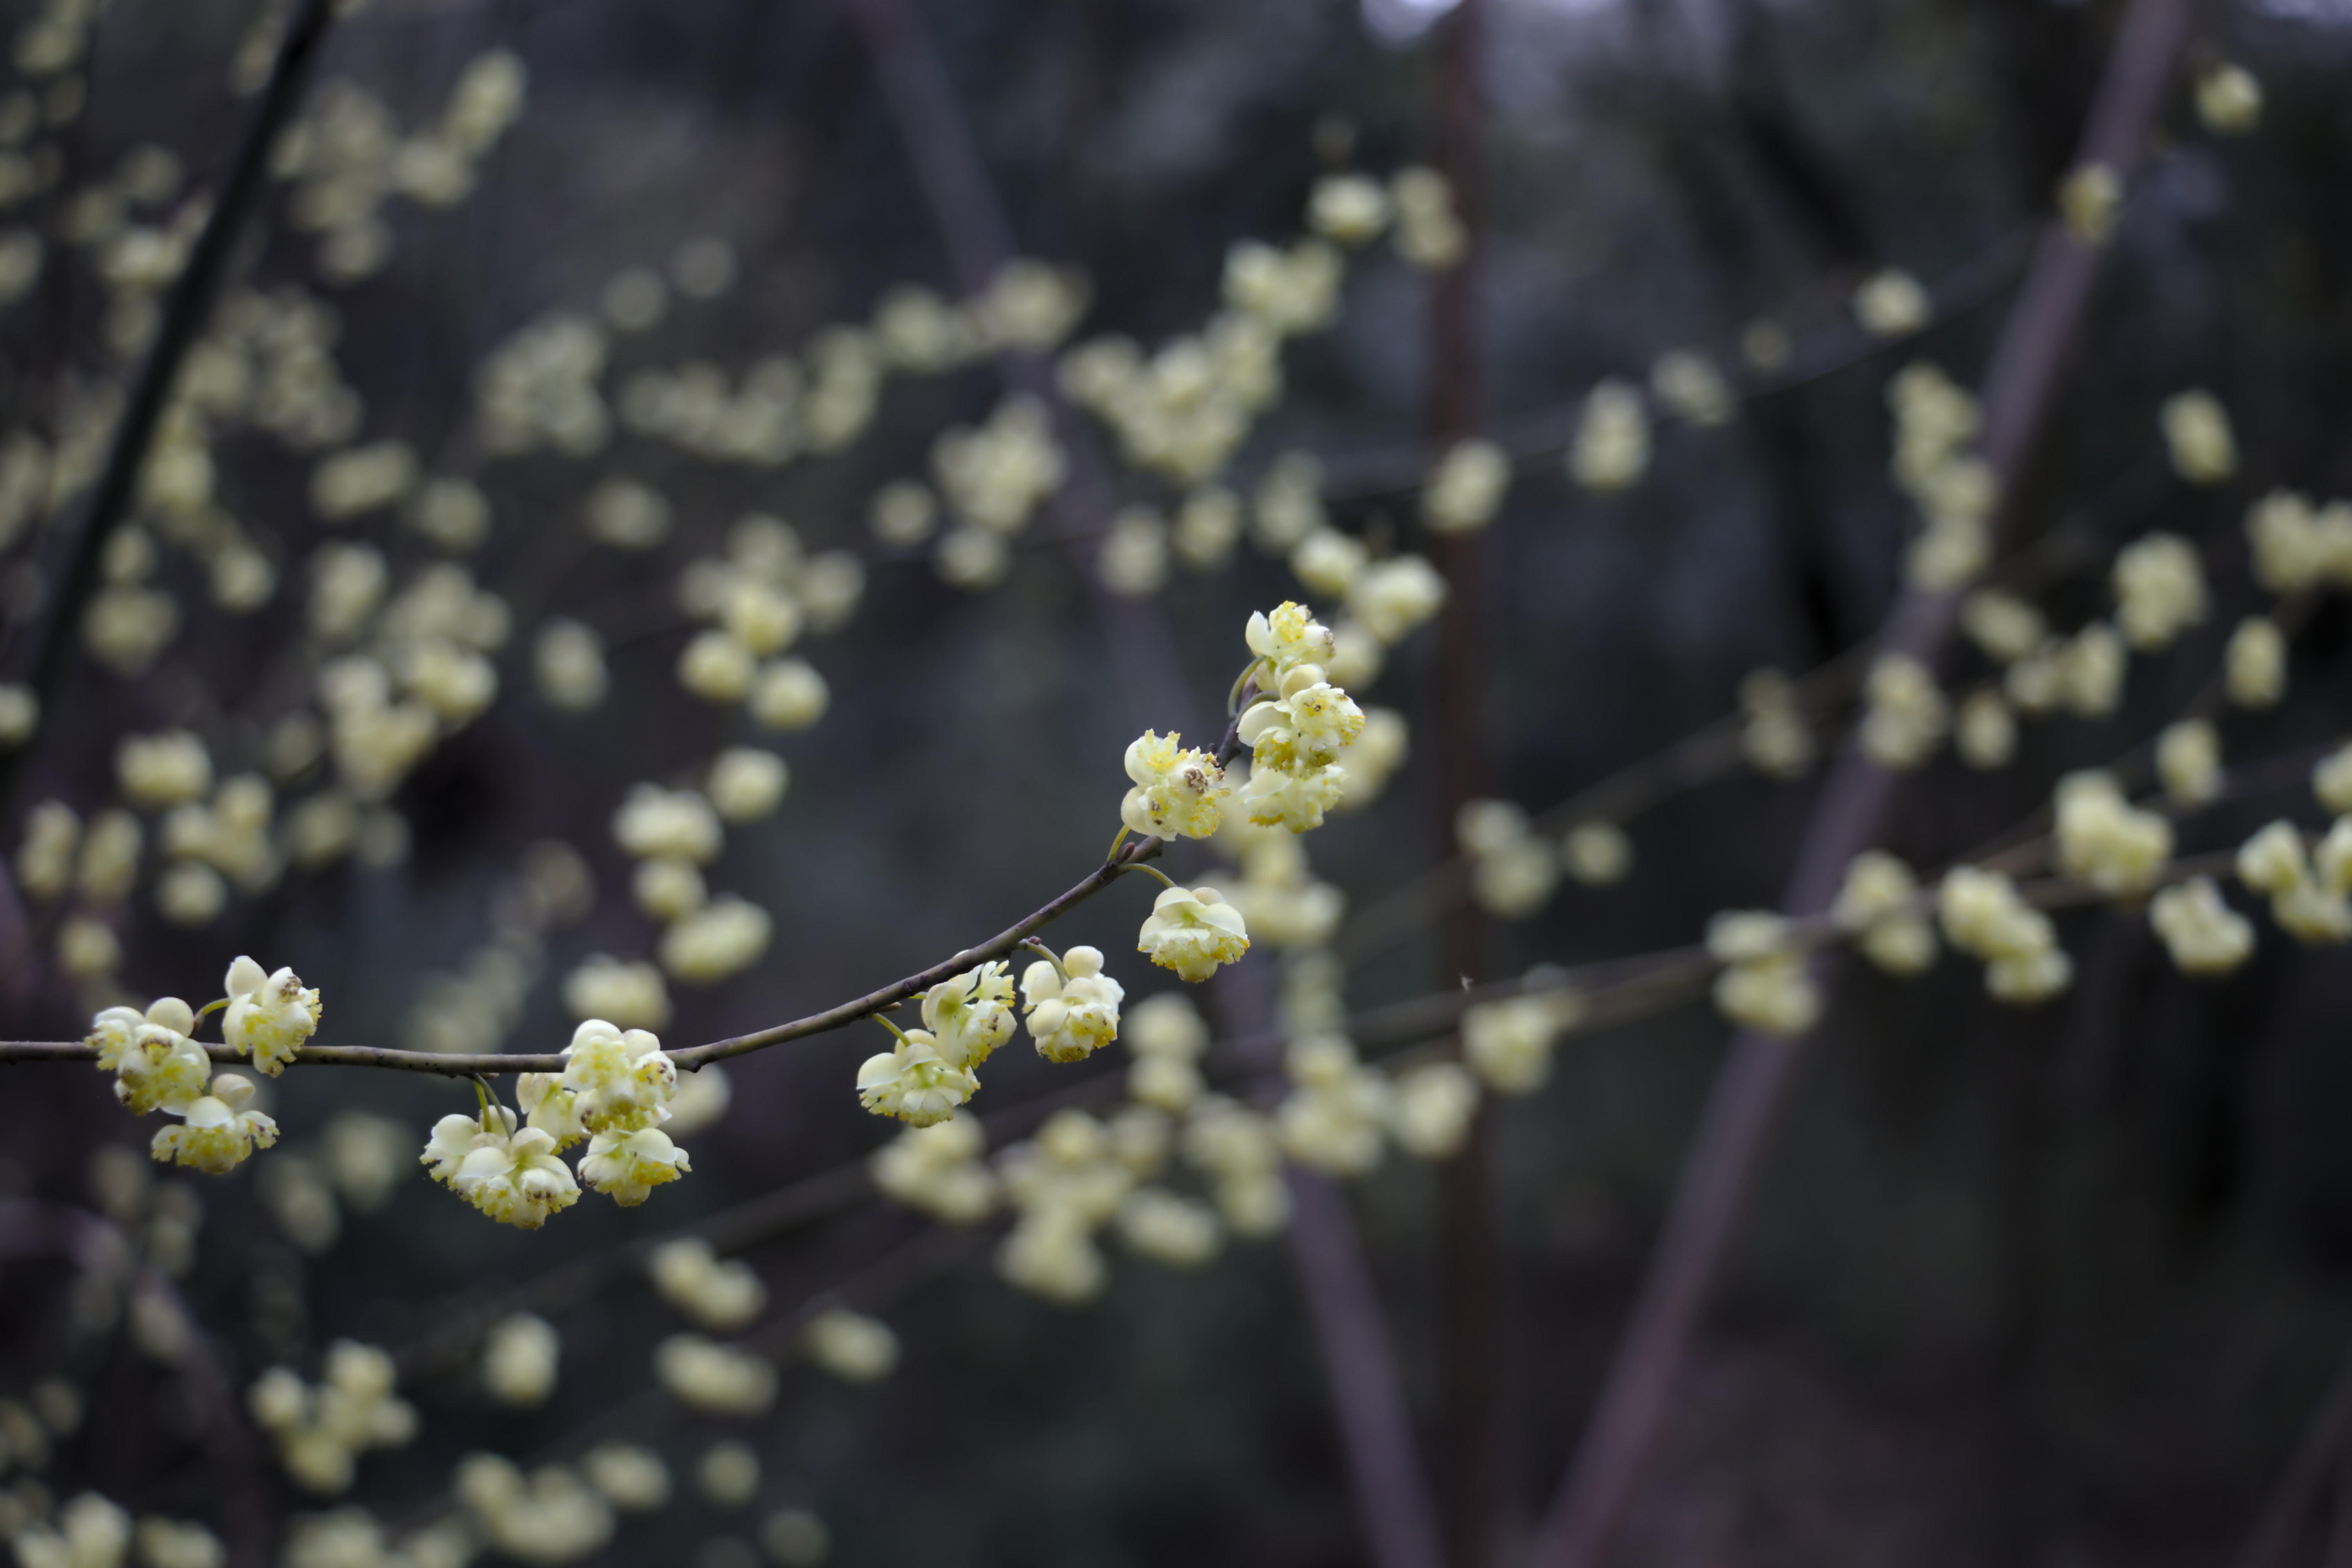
(268, 1016)
(934, 1069)
(1192, 931)
(1176, 792)
(672, 833)
(1073, 1011)
(323, 1429)
(1336, 1117)
(1300, 725)
(159, 1066)
(512, 1175)
(2160, 590)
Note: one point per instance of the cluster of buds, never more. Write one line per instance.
(1982, 915)
(551, 1515)
(939, 1170)
(1509, 1044)
(2105, 842)
(994, 478)
(347, 158)
(759, 599)
(715, 1293)
(1513, 871)
(323, 1429)
(2307, 890)
(672, 833)
(2299, 547)
(1878, 905)
(1937, 423)
(1766, 984)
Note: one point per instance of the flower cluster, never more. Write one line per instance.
(1072, 1006)
(2160, 590)
(2102, 841)
(1906, 716)
(1166, 1038)
(1878, 905)
(1775, 737)
(1176, 792)
(1064, 1185)
(852, 1346)
(1512, 871)
(933, 1069)
(1280, 900)
(1508, 1044)
(717, 1294)
(1936, 426)
(2198, 435)
(2307, 890)
(1766, 984)
(548, 1516)
(758, 600)
(323, 1429)
(714, 1377)
(1984, 915)
(993, 479)
(939, 1169)
(2202, 932)
(674, 833)
(1300, 723)
(1237, 1151)
(1612, 449)
(2297, 546)
(518, 1360)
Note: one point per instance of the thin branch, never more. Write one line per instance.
(457, 1065)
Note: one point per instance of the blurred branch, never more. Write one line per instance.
(2019, 389)
(1373, 1422)
(2318, 1458)
(185, 313)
